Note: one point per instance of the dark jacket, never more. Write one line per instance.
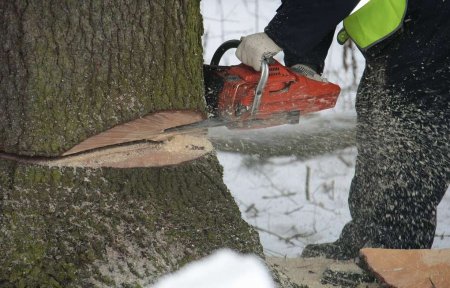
(420, 52)
(300, 25)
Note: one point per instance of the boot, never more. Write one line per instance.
(347, 247)
(334, 250)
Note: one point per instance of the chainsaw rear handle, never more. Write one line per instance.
(230, 44)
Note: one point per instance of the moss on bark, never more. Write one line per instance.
(67, 227)
(71, 69)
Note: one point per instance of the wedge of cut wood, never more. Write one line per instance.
(176, 150)
(421, 268)
(149, 127)
(142, 144)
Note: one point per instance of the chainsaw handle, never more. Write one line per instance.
(227, 45)
(234, 43)
(261, 85)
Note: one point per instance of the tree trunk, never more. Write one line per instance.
(71, 226)
(70, 70)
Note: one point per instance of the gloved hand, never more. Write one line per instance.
(256, 47)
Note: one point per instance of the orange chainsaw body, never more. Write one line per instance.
(285, 96)
(240, 97)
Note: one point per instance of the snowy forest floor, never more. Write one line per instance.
(291, 183)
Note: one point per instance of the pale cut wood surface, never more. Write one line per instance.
(176, 150)
(421, 268)
(155, 148)
(149, 128)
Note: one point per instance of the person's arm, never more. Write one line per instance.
(298, 27)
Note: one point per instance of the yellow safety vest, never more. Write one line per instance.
(373, 23)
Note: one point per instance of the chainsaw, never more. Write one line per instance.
(239, 97)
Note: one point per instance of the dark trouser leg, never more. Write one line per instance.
(402, 169)
(401, 173)
(314, 58)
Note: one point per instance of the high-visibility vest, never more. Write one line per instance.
(373, 23)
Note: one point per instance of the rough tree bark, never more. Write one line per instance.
(73, 69)
(64, 227)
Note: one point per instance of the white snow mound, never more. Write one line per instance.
(223, 269)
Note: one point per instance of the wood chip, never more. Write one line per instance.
(425, 268)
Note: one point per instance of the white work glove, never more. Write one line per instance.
(256, 47)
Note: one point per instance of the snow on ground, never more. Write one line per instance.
(223, 269)
(272, 197)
